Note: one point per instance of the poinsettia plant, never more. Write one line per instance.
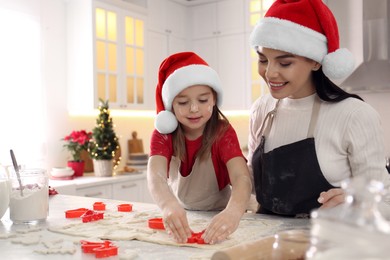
(76, 142)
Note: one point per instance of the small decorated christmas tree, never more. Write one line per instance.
(104, 141)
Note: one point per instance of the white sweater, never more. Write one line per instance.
(348, 135)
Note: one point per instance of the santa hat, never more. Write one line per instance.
(176, 73)
(306, 28)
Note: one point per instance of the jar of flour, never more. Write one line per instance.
(29, 198)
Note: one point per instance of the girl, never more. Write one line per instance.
(194, 154)
(308, 135)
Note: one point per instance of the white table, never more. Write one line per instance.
(60, 203)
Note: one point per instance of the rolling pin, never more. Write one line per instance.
(258, 249)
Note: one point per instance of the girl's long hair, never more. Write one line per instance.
(215, 127)
(327, 90)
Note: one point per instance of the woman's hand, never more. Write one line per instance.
(221, 226)
(331, 198)
(176, 223)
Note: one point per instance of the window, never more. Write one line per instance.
(257, 9)
(22, 107)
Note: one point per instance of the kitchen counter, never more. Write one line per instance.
(58, 204)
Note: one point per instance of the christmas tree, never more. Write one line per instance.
(104, 141)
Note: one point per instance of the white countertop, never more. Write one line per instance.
(89, 179)
(60, 203)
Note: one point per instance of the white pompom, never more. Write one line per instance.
(165, 122)
(338, 64)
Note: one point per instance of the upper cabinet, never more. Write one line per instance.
(106, 55)
(218, 36)
(168, 24)
(219, 18)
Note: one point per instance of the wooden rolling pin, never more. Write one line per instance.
(259, 249)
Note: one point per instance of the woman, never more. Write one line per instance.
(308, 135)
(195, 161)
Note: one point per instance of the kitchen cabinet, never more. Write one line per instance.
(106, 55)
(219, 37)
(167, 34)
(124, 187)
(98, 191)
(218, 18)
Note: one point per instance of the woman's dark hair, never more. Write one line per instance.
(327, 90)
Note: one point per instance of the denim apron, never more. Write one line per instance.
(288, 179)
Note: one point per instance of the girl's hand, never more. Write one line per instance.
(221, 226)
(176, 223)
(331, 198)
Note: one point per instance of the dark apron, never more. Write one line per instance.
(288, 179)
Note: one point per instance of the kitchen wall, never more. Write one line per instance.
(59, 124)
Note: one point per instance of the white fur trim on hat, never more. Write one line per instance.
(187, 76)
(165, 122)
(284, 35)
(338, 64)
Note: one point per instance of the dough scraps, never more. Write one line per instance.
(134, 226)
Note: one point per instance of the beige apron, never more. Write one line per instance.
(199, 190)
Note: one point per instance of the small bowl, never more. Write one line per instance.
(62, 172)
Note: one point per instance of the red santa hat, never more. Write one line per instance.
(176, 73)
(306, 28)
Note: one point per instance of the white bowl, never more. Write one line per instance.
(62, 172)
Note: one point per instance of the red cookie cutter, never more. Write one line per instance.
(100, 249)
(125, 207)
(91, 215)
(75, 213)
(196, 238)
(99, 206)
(156, 223)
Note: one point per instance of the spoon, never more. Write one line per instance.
(16, 171)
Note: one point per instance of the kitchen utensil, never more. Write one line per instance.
(156, 223)
(16, 166)
(99, 206)
(259, 249)
(125, 207)
(75, 213)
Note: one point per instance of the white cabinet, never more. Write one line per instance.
(106, 55)
(127, 191)
(168, 25)
(220, 18)
(219, 37)
(98, 191)
(127, 188)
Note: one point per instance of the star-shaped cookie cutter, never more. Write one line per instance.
(196, 238)
(100, 249)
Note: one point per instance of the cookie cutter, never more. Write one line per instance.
(156, 223)
(91, 215)
(125, 207)
(100, 249)
(99, 206)
(196, 238)
(75, 213)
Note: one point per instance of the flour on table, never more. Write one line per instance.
(134, 226)
(7, 235)
(57, 248)
(128, 254)
(29, 229)
(26, 239)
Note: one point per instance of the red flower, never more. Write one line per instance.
(77, 141)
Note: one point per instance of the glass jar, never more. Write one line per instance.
(356, 229)
(29, 198)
